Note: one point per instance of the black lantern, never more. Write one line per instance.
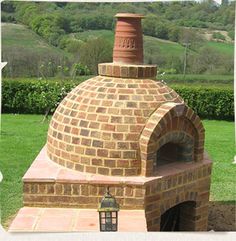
(108, 213)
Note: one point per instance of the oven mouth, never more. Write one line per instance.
(173, 152)
(174, 147)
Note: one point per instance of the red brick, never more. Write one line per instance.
(102, 152)
(117, 172)
(103, 171)
(110, 163)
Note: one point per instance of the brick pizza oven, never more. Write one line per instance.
(125, 130)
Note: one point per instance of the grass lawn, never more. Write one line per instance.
(24, 135)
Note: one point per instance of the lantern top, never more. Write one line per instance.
(108, 203)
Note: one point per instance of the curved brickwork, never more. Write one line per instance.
(97, 127)
(176, 120)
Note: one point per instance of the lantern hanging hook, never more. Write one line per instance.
(107, 190)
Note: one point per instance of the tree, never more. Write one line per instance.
(190, 37)
(225, 2)
(95, 51)
(173, 33)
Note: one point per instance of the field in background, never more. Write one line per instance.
(25, 51)
(152, 43)
(23, 136)
(198, 79)
(19, 36)
(27, 54)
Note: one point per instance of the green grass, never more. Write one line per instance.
(84, 36)
(24, 135)
(19, 36)
(224, 48)
(152, 45)
(220, 146)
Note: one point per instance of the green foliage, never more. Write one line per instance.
(7, 17)
(210, 61)
(8, 7)
(50, 27)
(218, 35)
(33, 96)
(189, 79)
(159, 22)
(79, 69)
(24, 51)
(231, 34)
(95, 51)
(36, 96)
(190, 37)
(209, 102)
(62, 25)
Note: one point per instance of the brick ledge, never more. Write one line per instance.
(45, 170)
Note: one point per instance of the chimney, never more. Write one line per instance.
(128, 44)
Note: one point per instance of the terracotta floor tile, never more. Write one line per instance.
(69, 220)
(54, 224)
(60, 212)
(29, 211)
(88, 213)
(87, 224)
(23, 223)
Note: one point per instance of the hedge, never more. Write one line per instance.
(36, 97)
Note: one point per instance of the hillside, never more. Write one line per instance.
(19, 36)
(205, 27)
(165, 46)
(153, 46)
(21, 46)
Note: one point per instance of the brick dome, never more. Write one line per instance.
(97, 127)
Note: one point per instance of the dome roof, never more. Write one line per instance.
(96, 128)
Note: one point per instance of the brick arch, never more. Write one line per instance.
(172, 202)
(168, 118)
(155, 209)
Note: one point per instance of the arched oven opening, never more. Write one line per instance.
(173, 152)
(174, 148)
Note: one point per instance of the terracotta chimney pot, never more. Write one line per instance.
(128, 44)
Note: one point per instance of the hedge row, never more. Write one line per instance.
(209, 102)
(37, 97)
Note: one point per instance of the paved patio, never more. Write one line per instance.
(34, 219)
